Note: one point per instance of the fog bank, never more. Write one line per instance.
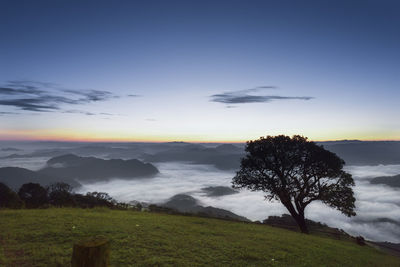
(377, 206)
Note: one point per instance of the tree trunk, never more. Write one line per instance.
(302, 223)
(298, 217)
(91, 252)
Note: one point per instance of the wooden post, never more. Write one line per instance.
(91, 252)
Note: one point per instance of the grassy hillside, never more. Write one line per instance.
(45, 237)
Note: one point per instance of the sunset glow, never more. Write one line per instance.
(198, 72)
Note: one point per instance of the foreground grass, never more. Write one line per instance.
(45, 238)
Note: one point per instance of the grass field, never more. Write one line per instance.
(45, 237)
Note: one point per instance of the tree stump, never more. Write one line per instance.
(91, 252)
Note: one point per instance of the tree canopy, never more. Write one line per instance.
(296, 172)
(60, 194)
(8, 198)
(34, 195)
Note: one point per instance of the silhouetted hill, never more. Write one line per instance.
(95, 169)
(393, 181)
(14, 177)
(228, 148)
(50, 153)
(8, 149)
(182, 203)
(221, 157)
(217, 191)
(188, 204)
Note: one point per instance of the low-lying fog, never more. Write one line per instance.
(378, 206)
(374, 202)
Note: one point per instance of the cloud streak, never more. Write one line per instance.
(8, 113)
(48, 97)
(253, 95)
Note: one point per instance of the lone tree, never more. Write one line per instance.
(296, 172)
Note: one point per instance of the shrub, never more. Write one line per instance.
(34, 195)
(94, 199)
(60, 195)
(8, 198)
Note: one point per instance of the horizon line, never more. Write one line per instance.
(176, 141)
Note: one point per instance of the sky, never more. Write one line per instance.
(203, 71)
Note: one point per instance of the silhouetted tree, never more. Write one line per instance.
(34, 195)
(60, 194)
(8, 198)
(101, 199)
(94, 199)
(296, 172)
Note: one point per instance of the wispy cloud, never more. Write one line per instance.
(8, 113)
(79, 112)
(30, 104)
(48, 97)
(90, 95)
(253, 95)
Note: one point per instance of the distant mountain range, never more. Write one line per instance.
(71, 169)
(365, 152)
(228, 156)
(223, 156)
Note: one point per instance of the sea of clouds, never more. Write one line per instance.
(374, 202)
(374, 206)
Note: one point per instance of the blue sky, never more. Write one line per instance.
(199, 70)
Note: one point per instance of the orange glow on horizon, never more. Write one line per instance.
(72, 136)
